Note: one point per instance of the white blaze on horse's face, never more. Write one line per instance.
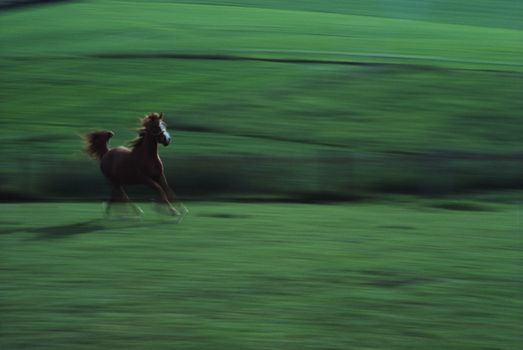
(165, 138)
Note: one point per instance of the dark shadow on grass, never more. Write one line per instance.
(59, 230)
(90, 226)
(462, 206)
(84, 227)
(397, 227)
(225, 216)
(387, 279)
(401, 282)
(284, 60)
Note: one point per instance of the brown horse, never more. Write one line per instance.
(139, 165)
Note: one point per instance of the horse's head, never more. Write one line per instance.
(154, 125)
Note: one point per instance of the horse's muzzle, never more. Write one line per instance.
(165, 139)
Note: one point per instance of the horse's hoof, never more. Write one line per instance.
(183, 210)
(138, 211)
(179, 219)
(174, 212)
(166, 210)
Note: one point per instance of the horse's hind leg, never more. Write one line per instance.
(136, 209)
(118, 196)
(115, 195)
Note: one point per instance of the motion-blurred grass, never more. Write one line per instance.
(266, 100)
(390, 275)
(381, 91)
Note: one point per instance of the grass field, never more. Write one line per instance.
(282, 82)
(356, 103)
(412, 274)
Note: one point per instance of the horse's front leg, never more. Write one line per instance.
(171, 196)
(162, 195)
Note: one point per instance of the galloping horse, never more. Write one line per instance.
(139, 165)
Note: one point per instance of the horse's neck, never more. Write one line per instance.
(148, 147)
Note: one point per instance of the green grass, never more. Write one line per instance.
(388, 275)
(418, 84)
(503, 13)
(292, 117)
(358, 108)
(81, 28)
(302, 100)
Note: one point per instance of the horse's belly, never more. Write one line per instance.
(118, 167)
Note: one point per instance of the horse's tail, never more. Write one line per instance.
(96, 143)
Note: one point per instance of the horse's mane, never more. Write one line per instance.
(139, 139)
(142, 129)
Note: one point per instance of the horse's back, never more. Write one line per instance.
(121, 150)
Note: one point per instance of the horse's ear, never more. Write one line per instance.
(161, 115)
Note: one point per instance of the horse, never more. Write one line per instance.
(140, 164)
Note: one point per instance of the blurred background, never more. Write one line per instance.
(280, 99)
(353, 171)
